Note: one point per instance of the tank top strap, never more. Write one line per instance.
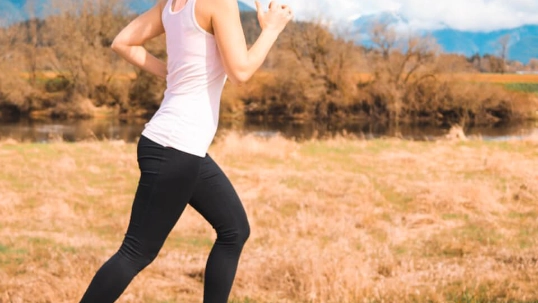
(169, 7)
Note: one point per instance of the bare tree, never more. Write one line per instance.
(81, 34)
(30, 41)
(328, 62)
(494, 64)
(384, 39)
(533, 64)
(504, 44)
(398, 64)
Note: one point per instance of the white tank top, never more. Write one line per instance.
(188, 116)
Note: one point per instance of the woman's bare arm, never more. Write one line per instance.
(129, 42)
(241, 63)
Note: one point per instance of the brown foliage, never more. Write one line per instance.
(65, 59)
(145, 92)
(67, 70)
(313, 75)
(397, 69)
(408, 85)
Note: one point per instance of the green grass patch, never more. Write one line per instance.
(527, 237)
(243, 300)
(400, 250)
(334, 157)
(12, 255)
(289, 209)
(506, 146)
(523, 215)
(522, 87)
(462, 240)
(320, 148)
(378, 234)
(450, 217)
(3, 249)
(401, 201)
(480, 234)
(192, 242)
(480, 297)
(296, 182)
(378, 146)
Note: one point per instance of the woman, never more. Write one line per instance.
(205, 45)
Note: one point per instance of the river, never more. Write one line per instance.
(129, 130)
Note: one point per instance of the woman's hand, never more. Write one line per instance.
(239, 62)
(129, 43)
(275, 18)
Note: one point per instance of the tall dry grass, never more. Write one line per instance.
(339, 220)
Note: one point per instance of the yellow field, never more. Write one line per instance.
(479, 77)
(499, 78)
(340, 220)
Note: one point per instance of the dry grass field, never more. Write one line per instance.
(340, 220)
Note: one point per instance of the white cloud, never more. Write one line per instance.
(475, 15)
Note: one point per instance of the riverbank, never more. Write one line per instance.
(339, 220)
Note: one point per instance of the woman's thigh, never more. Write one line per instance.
(215, 198)
(167, 180)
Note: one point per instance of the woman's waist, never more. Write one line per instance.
(179, 127)
(188, 110)
(178, 82)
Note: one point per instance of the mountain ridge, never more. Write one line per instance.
(523, 42)
(522, 47)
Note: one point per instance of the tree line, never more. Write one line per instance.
(62, 67)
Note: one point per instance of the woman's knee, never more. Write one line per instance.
(244, 233)
(243, 230)
(236, 235)
(139, 255)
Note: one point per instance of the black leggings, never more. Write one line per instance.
(169, 180)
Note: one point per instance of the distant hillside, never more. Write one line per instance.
(523, 40)
(18, 3)
(11, 11)
(245, 7)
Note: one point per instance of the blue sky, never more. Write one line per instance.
(468, 15)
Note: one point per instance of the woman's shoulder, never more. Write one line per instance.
(161, 4)
(217, 5)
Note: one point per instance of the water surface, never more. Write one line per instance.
(129, 130)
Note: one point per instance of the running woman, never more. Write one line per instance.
(205, 46)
